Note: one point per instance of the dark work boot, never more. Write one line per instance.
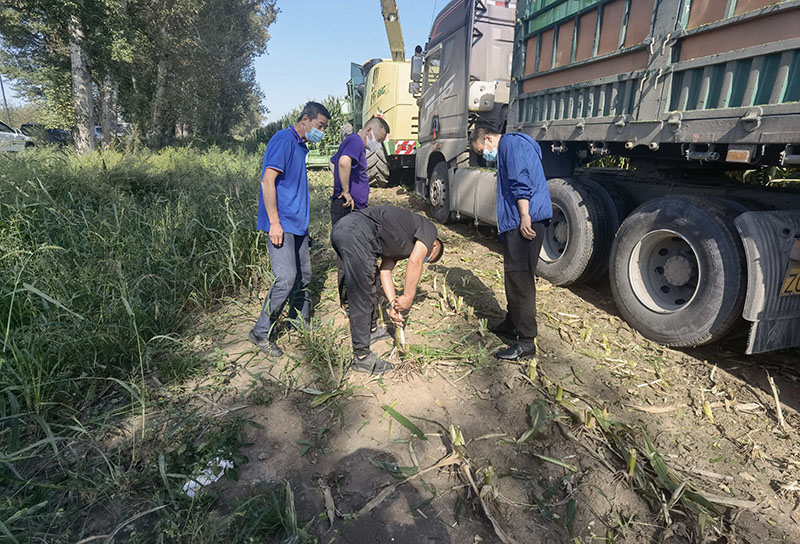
(267, 346)
(371, 364)
(516, 352)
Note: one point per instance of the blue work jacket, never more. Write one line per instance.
(520, 176)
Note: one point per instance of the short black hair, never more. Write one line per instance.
(479, 132)
(441, 252)
(313, 110)
(380, 121)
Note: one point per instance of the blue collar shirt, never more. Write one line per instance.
(520, 176)
(286, 152)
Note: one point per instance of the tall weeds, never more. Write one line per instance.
(104, 259)
(101, 254)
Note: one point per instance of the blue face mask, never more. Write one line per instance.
(490, 155)
(314, 135)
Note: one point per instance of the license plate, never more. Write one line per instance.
(791, 285)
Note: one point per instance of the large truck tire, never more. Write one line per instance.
(439, 193)
(678, 270)
(578, 239)
(378, 168)
(623, 202)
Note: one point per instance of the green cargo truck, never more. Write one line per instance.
(681, 92)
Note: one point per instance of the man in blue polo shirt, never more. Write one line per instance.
(284, 209)
(523, 211)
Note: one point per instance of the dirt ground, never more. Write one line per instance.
(709, 414)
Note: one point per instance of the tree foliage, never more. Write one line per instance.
(332, 137)
(181, 67)
(19, 114)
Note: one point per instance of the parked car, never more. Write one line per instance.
(12, 140)
(42, 135)
(123, 131)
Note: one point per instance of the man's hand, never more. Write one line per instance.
(348, 200)
(396, 317)
(525, 227)
(402, 303)
(276, 234)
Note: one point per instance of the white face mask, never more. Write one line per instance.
(372, 143)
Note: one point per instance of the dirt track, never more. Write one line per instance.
(709, 413)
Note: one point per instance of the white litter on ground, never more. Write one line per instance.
(214, 470)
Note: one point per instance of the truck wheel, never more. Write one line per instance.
(678, 270)
(439, 193)
(377, 168)
(623, 202)
(578, 239)
(345, 131)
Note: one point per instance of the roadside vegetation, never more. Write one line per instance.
(107, 262)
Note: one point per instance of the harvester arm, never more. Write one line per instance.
(394, 32)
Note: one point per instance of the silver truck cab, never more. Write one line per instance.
(478, 35)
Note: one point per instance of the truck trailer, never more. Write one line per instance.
(673, 97)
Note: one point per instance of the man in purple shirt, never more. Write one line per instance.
(350, 178)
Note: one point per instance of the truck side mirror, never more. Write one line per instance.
(415, 88)
(416, 68)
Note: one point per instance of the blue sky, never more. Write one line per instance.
(314, 41)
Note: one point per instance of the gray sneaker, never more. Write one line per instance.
(267, 346)
(378, 334)
(371, 364)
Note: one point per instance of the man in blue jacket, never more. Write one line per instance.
(284, 209)
(523, 211)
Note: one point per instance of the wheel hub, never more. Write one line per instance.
(561, 232)
(556, 236)
(678, 270)
(664, 271)
(437, 192)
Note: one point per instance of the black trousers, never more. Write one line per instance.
(520, 257)
(355, 240)
(338, 211)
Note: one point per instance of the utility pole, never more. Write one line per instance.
(2, 88)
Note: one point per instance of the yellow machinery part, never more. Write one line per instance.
(387, 95)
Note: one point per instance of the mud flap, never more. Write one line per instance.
(772, 244)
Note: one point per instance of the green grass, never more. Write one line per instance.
(106, 262)
(105, 253)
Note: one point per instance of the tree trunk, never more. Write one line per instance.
(108, 110)
(159, 99)
(158, 111)
(82, 96)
